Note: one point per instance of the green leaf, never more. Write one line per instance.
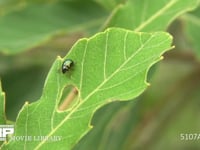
(109, 66)
(112, 125)
(146, 15)
(37, 23)
(109, 4)
(2, 107)
(192, 29)
(8, 5)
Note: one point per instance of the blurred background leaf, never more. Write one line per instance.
(2, 107)
(110, 4)
(36, 23)
(145, 15)
(192, 30)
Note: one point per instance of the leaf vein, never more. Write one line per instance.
(125, 38)
(105, 56)
(82, 67)
(157, 14)
(26, 127)
(117, 70)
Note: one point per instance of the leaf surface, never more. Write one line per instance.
(149, 15)
(109, 4)
(109, 66)
(2, 108)
(192, 29)
(36, 23)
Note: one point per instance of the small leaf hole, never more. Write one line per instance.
(69, 98)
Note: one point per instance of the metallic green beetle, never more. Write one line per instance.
(67, 64)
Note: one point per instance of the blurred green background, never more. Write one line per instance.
(155, 120)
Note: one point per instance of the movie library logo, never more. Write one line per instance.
(6, 130)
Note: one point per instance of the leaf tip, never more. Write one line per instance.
(91, 126)
(161, 57)
(148, 84)
(26, 103)
(58, 57)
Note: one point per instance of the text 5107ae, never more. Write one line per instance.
(190, 136)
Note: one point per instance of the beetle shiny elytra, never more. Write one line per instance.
(67, 64)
